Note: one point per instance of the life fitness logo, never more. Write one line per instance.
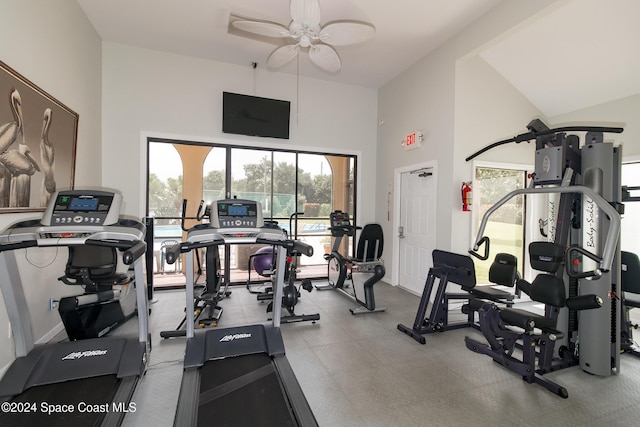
(82, 354)
(234, 337)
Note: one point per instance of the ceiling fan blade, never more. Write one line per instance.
(282, 55)
(345, 33)
(262, 28)
(325, 57)
(306, 12)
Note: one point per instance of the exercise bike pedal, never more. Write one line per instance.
(307, 285)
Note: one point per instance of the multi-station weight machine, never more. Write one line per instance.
(582, 184)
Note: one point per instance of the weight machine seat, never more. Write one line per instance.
(93, 267)
(630, 278)
(546, 288)
(504, 272)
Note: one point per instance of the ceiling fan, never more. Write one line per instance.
(306, 32)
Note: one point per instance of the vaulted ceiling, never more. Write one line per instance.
(579, 53)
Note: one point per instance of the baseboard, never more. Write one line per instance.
(418, 294)
(52, 333)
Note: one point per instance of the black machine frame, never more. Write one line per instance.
(455, 268)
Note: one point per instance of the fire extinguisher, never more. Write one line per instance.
(467, 196)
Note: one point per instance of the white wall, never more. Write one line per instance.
(53, 45)
(424, 98)
(421, 100)
(488, 109)
(624, 112)
(462, 105)
(148, 92)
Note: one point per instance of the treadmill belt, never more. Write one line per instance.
(79, 395)
(242, 391)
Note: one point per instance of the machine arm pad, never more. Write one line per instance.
(584, 302)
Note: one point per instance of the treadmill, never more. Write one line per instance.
(85, 382)
(239, 375)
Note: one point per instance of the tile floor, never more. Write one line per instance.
(361, 371)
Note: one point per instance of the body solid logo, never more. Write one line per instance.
(80, 354)
(234, 337)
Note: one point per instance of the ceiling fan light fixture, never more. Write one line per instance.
(305, 40)
(306, 32)
(294, 28)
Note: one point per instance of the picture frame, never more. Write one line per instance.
(38, 137)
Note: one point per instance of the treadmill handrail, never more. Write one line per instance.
(18, 245)
(69, 235)
(64, 241)
(609, 249)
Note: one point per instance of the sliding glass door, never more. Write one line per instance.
(296, 189)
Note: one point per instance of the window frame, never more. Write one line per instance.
(527, 231)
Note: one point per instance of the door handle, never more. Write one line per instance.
(401, 232)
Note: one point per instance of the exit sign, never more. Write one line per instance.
(413, 140)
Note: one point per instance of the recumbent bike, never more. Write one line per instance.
(364, 271)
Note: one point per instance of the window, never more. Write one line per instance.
(164, 182)
(631, 218)
(283, 181)
(214, 175)
(505, 227)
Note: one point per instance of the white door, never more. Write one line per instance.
(417, 227)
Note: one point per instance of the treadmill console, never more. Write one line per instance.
(83, 207)
(237, 213)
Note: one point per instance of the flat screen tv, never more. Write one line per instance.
(255, 116)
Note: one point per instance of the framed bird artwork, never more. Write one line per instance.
(38, 136)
